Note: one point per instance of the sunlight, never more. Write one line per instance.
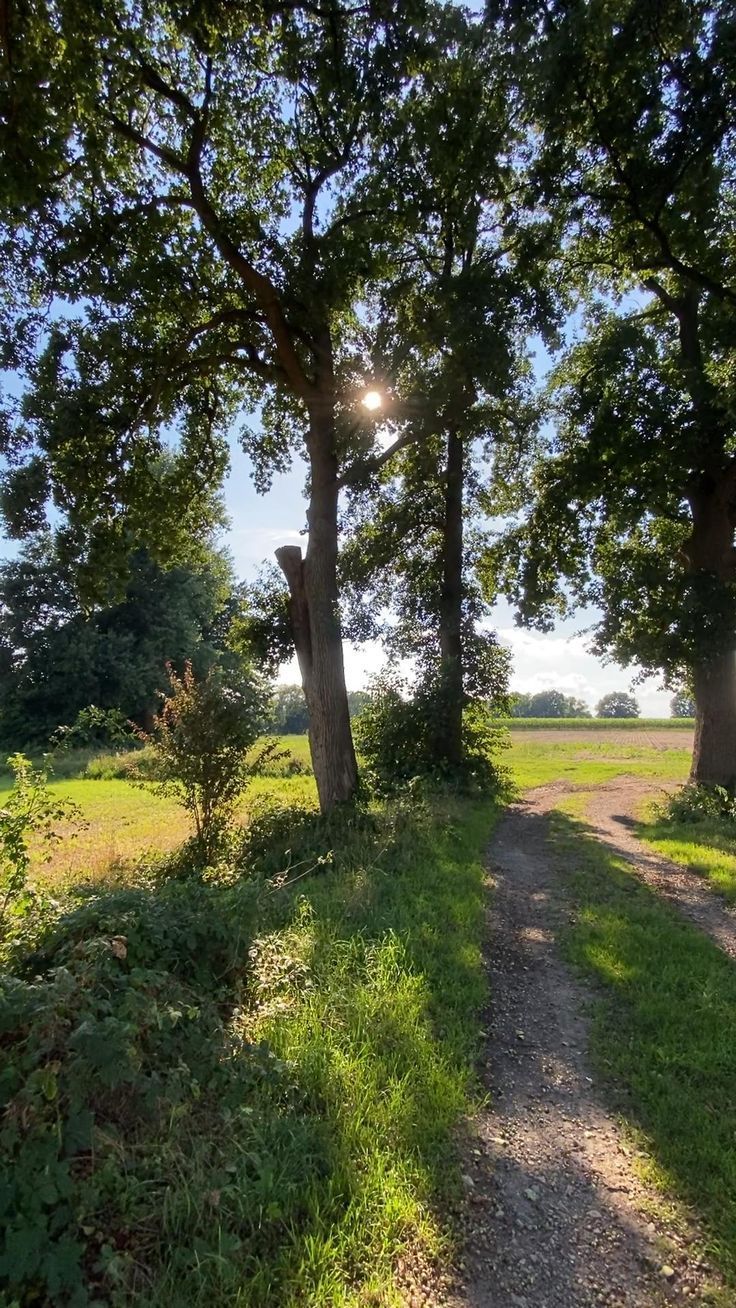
(372, 400)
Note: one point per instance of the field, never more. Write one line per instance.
(126, 822)
(284, 1061)
(599, 724)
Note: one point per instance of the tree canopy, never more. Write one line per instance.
(617, 705)
(633, 507)
(58, 658)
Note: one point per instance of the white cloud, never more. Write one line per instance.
(540, 661)
(543, 661)
(361, 663)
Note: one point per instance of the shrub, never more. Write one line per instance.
(201, 740)
(95, 727)
(132, 765)
(395, 735)
(118, 1048)
(694, 803)
(30, 809)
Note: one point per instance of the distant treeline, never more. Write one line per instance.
(290, 717)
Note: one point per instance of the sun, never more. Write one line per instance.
(372, 400)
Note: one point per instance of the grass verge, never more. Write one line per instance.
(707, 848)
(237, 1091)
(664, 1031)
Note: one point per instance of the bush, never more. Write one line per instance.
(395, 736)
(201, 740)
(95, 727)
(30, 809)
(694, 803)
(132, 765)
(115, 1044)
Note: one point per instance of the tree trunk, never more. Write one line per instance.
(710, 551)
(714, 748)
(315, 619)
(450, 734)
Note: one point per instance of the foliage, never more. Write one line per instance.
(695, 803)
(396, 733)
(205, 1082)
(289, 711)
(30, 810)
(630, 509)
(202, 738)
(682, 705)
(58, 658)
(94, 727)
(617, 705)
(548, 704)
(289, 714)
(454, 310)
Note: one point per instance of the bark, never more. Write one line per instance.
(714, 748)
(450, 735)
(315, 618)
(710, 549)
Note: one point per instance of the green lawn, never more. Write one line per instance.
(126, 822)
(708, 848)
(537, 759)
(123, 822)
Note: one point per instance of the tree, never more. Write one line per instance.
(617, 705)
(635, 505)
(549, 704)
(448, 356)
(357, 701)
(289, 711)
(682, 705)
(206, 222)
(58, 658)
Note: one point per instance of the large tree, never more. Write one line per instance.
(461, 290)
(198, 201)
(633, 108)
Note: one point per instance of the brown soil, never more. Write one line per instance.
(556, 1216)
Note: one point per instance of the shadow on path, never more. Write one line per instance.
(554, 1208)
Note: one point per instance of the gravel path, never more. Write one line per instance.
(555, 1214)
(609, 812)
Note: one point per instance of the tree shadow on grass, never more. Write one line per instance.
(665, 1028)
(263, 1078)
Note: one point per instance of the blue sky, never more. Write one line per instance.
(260, 523)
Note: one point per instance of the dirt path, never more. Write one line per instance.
(609, 812)
(556, 1216)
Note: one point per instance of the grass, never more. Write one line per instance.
(123, 823)
(664, 1030)
(535, 761)
(707, 848)
(127, 823)
(275, 1073)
